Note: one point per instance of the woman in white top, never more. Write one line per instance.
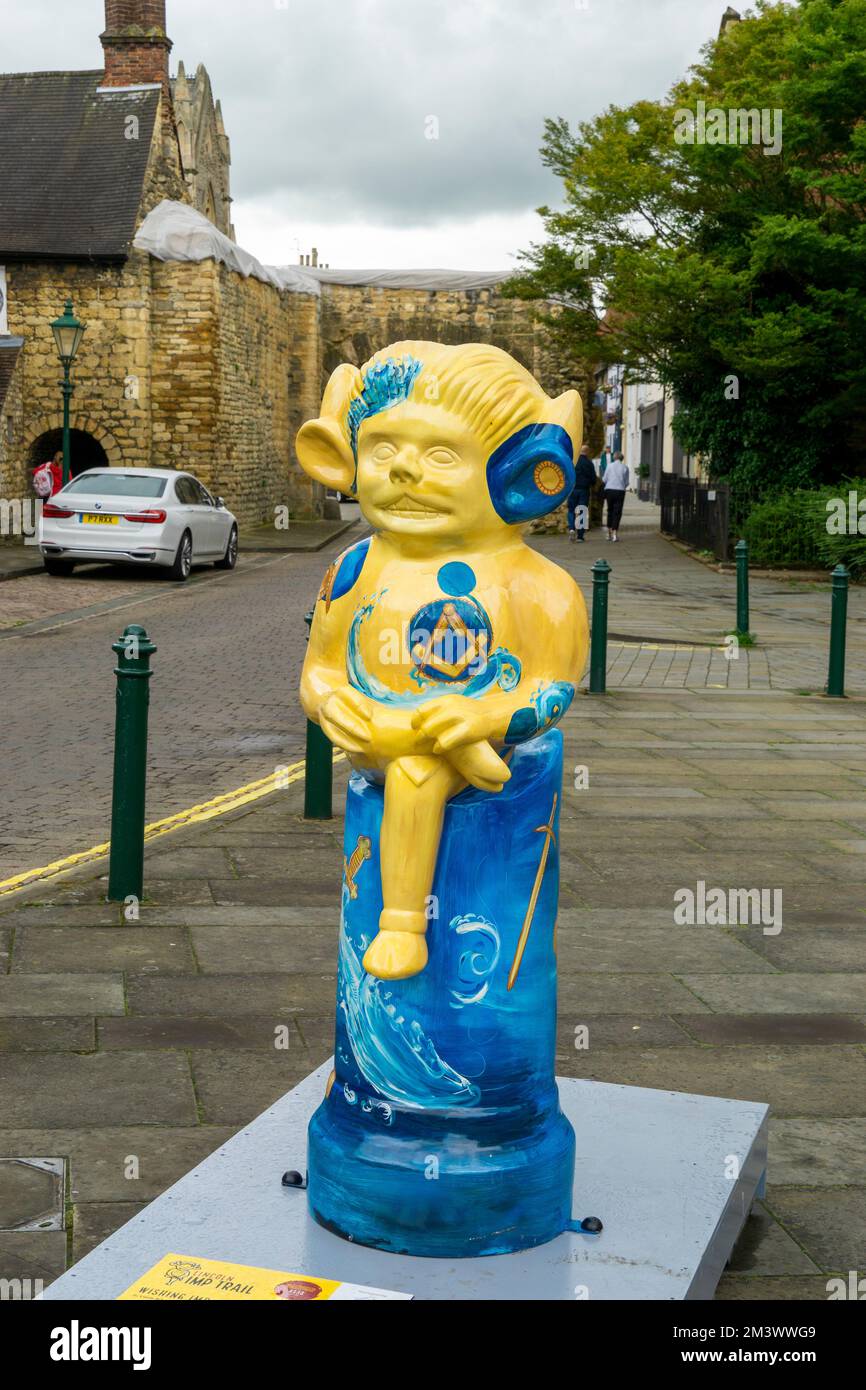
(615, 485)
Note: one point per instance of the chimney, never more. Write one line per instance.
(135, 44)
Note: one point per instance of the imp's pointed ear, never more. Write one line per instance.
(325, 454)
(322, 445)
(567, 410)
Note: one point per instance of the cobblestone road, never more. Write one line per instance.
(223, 709)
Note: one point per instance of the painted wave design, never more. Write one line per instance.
(479, 957)
(394, 1053)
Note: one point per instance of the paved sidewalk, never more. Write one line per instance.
(156, 1040)
(669, 614)
(134, 1049)
(18, 560)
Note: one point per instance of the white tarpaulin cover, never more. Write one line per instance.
(176, 232)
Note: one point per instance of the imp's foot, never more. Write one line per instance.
(395, 955)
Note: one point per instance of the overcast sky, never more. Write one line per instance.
(328, 105)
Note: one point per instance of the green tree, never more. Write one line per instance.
(734, 275)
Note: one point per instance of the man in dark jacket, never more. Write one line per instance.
(585, 478)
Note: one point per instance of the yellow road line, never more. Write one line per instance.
(193, 815)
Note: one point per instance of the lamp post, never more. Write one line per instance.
(68, 332)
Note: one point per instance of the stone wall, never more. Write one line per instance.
(11, 428)
(183, 407)
(236, 371)
(190, 365)
(359, 320)
(253, 334)
(113, 361)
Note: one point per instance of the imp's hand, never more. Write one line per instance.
(453, 722)
(345, 716)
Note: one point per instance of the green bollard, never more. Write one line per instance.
(126, 867)
(319, 770)
(741, 551)
(598, 640)
(838, 620)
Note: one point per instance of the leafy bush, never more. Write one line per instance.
(790, 531)
(849, 548)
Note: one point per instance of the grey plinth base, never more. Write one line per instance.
(672, 1176)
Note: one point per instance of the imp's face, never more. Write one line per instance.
(422, 473)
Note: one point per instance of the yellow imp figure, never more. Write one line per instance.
(443, 641)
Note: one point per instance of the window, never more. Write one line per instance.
(117, 484)
(187, 492)
(203, 497)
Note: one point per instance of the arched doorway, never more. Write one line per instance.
(84, 451)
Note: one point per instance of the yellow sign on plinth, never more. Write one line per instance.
(185, 1279)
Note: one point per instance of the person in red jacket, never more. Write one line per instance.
(48, 477)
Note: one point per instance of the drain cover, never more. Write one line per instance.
(32, 1194)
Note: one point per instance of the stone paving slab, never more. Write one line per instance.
(234, 1086)
(609, 1030)
(228, 950)
(156, 950)
(779, 1029)
(293, 889)
(230, 994)
(792, 1080)
(734, 1288)
(48, 1034)
(789, 993)
(245, 1031)
(581, 996)
(66, 994)
(638, 948)
(817, 1153)
(100, 1158)
(68, 1090)
(33, 1255)
(767, 1248)
(815, 949)
(829, 1224)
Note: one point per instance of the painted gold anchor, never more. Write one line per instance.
(549, 838)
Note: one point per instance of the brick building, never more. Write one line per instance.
(197, 358)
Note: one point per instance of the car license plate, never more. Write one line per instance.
(93, 519)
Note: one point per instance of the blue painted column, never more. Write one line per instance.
(441, 1132)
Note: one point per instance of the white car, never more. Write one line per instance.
(141, 516)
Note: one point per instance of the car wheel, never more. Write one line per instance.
(230, 559)
(58, 567)
(183, 559)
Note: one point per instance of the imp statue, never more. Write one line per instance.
(442, 654)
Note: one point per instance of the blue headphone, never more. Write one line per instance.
(531, 473)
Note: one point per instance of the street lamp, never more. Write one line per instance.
(68, 332)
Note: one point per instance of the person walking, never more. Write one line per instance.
(615, 486)
(585, 478)
(48, 477)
